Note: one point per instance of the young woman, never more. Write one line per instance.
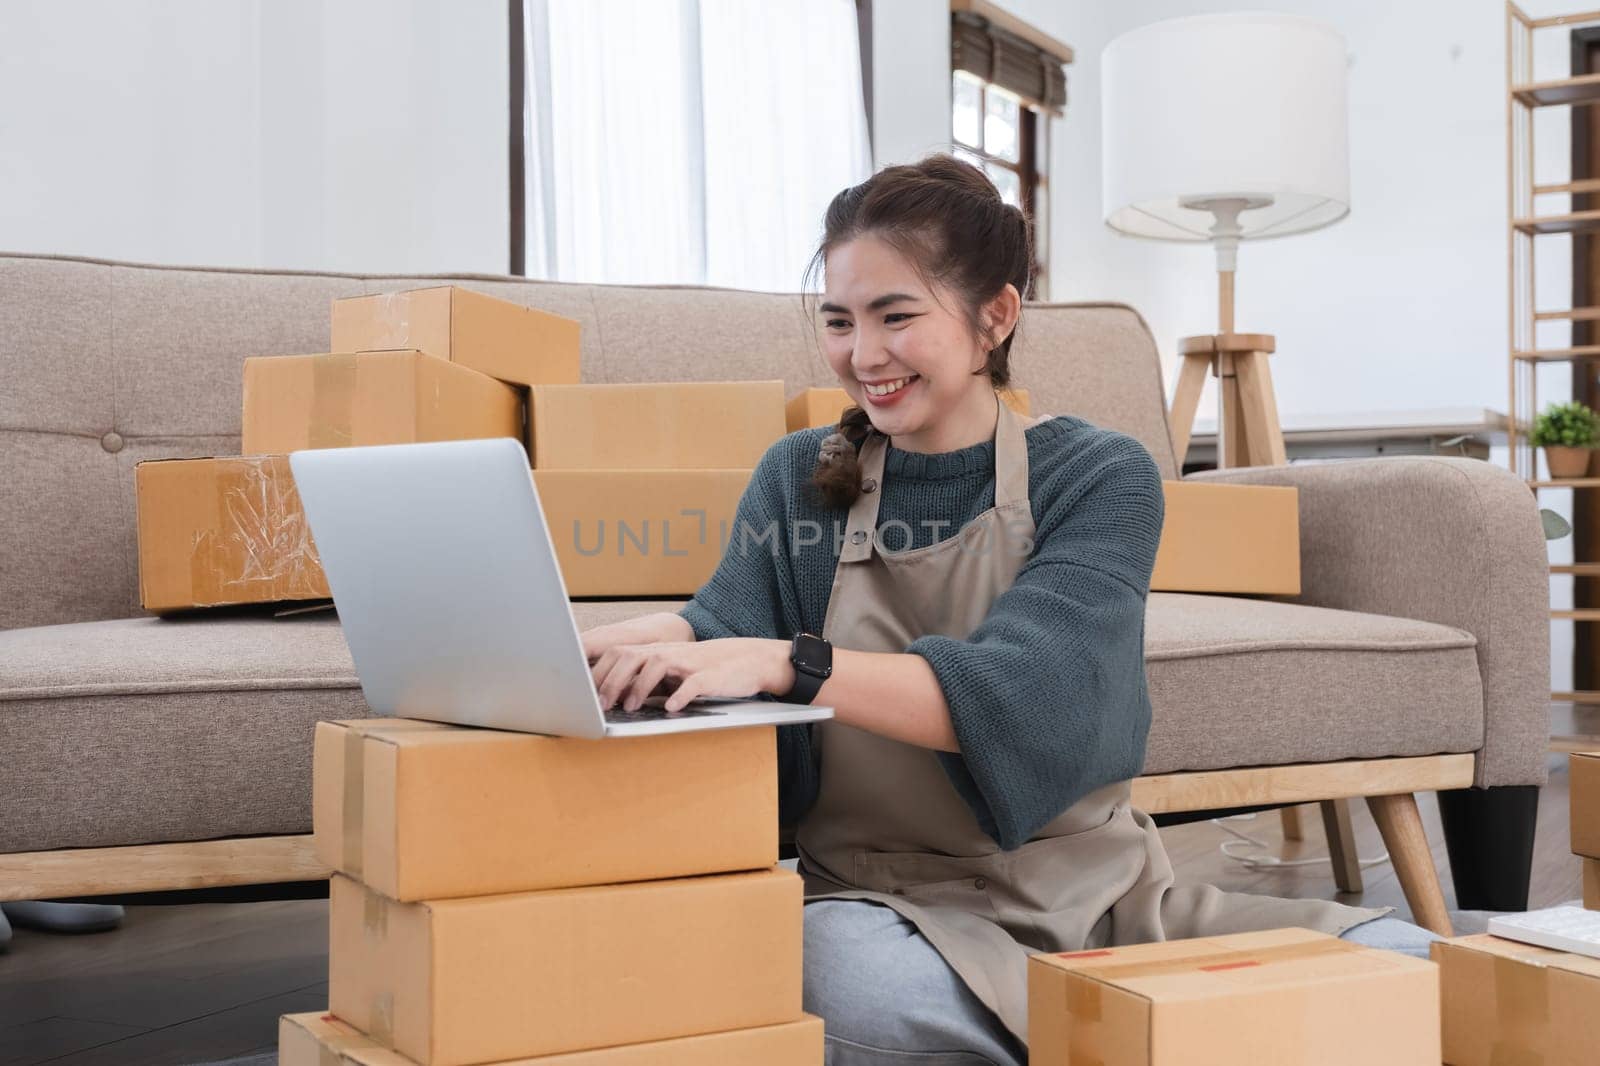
(981, 581)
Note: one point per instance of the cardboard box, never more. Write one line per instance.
(642, 532)
(1506, 1003)
(339, 401)
(221, 531)
(1583, 780)
(495, 337)
(1229, 538)
(323, 1040)
(1591, 884)
(690, 425)
(455, 982)
(422, 810)
(812, 408)
(1285, 997)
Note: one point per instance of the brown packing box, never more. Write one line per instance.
(1583, 779)
(1229, 538)
(338, 401)
(455, 982)
(679, 425)
(1284, 997)
(494, 337)
(323, 1040)
(422, 810)
(222, 531)
(1508, 1004)
(1591, 884)
(812, 408)
(641, 532)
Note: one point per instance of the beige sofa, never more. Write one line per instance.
(172, 754)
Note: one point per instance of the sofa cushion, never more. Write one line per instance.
(1236, 681)
(147, 730)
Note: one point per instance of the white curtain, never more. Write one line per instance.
(689, 141)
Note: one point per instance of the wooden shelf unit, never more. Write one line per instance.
(1572, 222)
(1528, 221)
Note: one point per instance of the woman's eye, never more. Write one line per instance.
(838, 323)
(897, 317)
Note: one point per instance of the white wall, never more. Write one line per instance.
(910, 80)
(363, 135)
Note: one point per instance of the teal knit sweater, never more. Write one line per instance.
(1047, 696)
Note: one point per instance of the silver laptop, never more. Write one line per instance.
(452, 600)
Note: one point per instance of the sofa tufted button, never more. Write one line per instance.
(858, 536)
(869, 485)
(980, 883)
(111, 442)
(899, 891)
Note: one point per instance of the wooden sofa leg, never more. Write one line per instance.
(1290, 817)
(1401, 825)
(1341, 845)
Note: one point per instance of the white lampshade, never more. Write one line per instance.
(1247, 106)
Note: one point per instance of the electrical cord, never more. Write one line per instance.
(1268, 861)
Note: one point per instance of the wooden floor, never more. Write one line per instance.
(191, 984)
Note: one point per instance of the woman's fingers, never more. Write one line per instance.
(689, 688)
(645, 682)
(614, 670)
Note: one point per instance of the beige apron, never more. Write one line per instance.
(889, 827)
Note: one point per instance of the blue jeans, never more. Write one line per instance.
(887, 998)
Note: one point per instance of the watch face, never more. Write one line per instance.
(813, 655)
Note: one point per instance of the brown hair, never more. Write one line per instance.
(948, 219)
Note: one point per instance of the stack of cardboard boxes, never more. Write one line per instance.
(505, 897)
(639, 483)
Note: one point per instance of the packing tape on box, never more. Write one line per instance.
(1085, 987)
(1522, 1011)
(391, 320)
(383, 1019)
(352, 810)
(259, 545)
(352, 805)
(375, 914)
(333, 401)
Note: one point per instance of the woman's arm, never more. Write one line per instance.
(894, 694)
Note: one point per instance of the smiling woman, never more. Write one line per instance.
(969, 803)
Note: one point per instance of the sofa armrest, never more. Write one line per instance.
(1441, 539)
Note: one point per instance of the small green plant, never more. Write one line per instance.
(1566, 425)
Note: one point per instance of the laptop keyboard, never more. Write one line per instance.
(655, 714)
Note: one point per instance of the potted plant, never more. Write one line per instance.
(1567, 432)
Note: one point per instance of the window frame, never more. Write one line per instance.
(1032, 179)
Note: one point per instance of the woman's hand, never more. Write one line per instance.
(646, 629)
(732, 666)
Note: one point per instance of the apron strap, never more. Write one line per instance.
(1010, 457)
(862, 524)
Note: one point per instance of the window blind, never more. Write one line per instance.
(1004, 59)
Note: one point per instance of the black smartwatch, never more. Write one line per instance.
(812, 658)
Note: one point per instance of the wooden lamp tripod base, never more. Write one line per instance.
(1248, 433)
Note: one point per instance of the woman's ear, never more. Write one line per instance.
(1000, 315)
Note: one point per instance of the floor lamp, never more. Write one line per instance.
(1225, 128)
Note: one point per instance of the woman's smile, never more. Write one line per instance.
(887, 393)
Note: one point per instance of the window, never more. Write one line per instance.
(1006, 83)
(996, 132)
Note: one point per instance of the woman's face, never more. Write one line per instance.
(907, 359)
